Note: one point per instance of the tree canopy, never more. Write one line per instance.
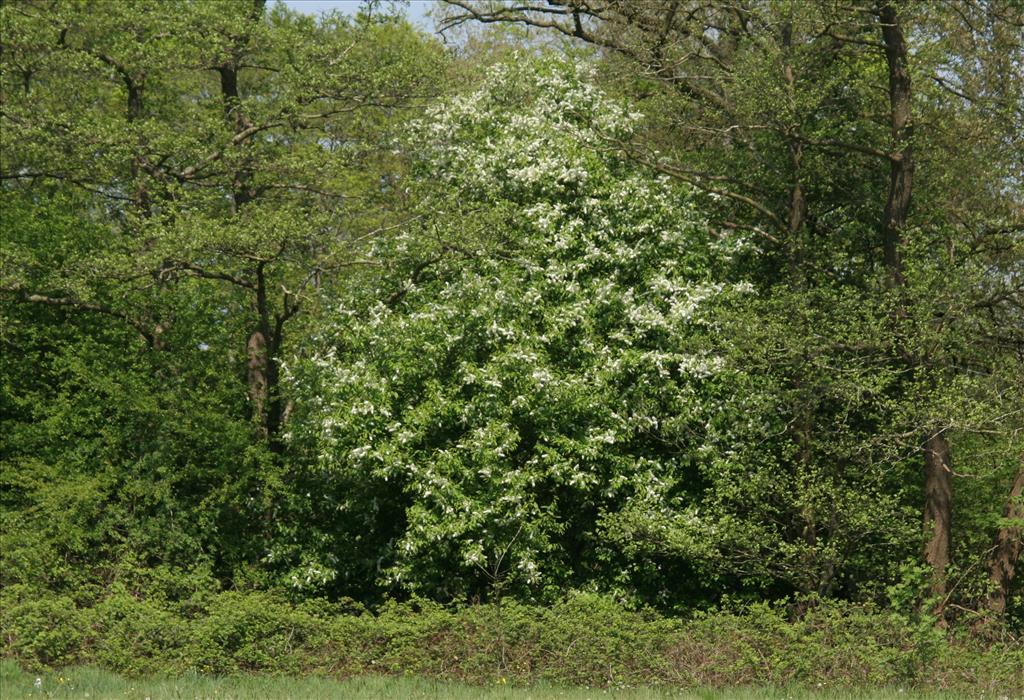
(679, 302)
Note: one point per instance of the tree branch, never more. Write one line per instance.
(31, 298)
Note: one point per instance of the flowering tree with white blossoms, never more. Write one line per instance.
(531, 401)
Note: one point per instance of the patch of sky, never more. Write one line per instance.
(416, 10)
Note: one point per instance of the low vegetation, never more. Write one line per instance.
(92, 683)
(586, 640)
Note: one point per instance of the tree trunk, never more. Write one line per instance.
(797, 208)
(264, 372)
(140, 193)
(241, 186)
(901, 128)
(1009, 543)
(264, 342)
(256, 349)
(937, 488)
(937, 511)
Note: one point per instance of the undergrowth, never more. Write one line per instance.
(586, 640)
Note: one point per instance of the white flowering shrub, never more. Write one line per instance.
(536, 403)
(528, 135)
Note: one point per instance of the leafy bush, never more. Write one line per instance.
(48, 631)
(584, 639)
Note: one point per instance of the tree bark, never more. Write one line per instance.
(241, 185)
(264, 341)
(1009, 543)
(797, 212)
(256, 350)
(937, 512)
(264, 372)
(140, 194)
(901, 160)
(937, 486)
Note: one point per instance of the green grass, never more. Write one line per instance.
(95, 684)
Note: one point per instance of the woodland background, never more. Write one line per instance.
(679, 308)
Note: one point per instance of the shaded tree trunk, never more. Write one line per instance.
(937, 511)
(937, 487)
(242, 191)
(797, 210)
(1009, 543)
(265, 340)
(264, 374)
(901, 159)
(140, 194)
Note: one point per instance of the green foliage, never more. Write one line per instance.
(581, 640)
(535, 403)
(47, 630)
(300, 315)
(172, 180)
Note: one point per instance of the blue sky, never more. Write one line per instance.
(417, 9)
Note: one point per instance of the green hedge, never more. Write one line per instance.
(585, 640)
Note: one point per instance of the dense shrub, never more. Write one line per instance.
(583, 640)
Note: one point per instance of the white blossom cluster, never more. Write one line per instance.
(529, 131)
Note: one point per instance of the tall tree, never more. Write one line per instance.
(223, 142)
(183, 185)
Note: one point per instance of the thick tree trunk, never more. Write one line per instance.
(140, 193)
(1009, 543)
(272, 413)
(901, 159)
(265, 341)
(264, 373)
(264, 390)
(797, 209)
(937, 488)
(937, 511)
